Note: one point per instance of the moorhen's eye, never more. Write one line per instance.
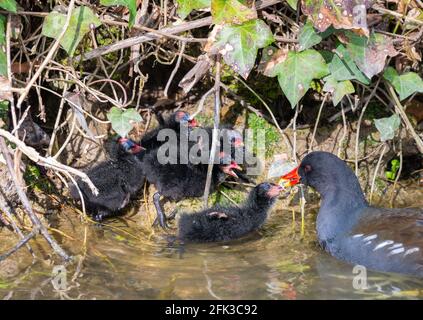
(307, 168)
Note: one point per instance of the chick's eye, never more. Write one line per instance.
(307, 168)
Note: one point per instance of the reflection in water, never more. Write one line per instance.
(123, 262)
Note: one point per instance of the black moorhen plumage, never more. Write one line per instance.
(117, 180)
(228, 223)
(179, 181)
(350, 229)
(174, 122)
(231, 142)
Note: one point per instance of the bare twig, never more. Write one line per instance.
(359, 124)
(37, 225)
(201, 103)
(317, 122)
(391, 201)
(178, 63)
(49, 56)
(47, 162)
(397, 15)
(21, 243)
(215, 131)
(376, 172)
(399, 109)
(154, 35)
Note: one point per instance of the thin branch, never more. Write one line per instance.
(49, 56)
(178, 63)
(359, 124)
(21, 243)
(400, 109)
(217, 103)
(126, 43)
(317, 122)
(376, 172)
(37, 225)
(47, 162)
(397, 15)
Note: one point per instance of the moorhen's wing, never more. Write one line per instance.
(107, 177)
(388, 240)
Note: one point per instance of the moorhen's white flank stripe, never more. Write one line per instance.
(383, 244)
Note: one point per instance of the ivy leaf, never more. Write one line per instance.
(130, 4)
(338, 89)
(369, 53)
(387, 127)
(308, 37)
(405, 84)
(342, 67)
(297, 71)
(270, 58)
(9, 5)
(231, 12)
(186, 6)
(341, 14)
(239, 44)
(123, 120)
(81, 20)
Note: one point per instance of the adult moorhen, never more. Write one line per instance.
(228, 223)
(350, 229)
(117, 179)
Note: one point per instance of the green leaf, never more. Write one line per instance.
(9, 5)
(338, 89)
(2, 29)
(308, 37)
(370, 54)
(3, 63)
(345, 68)
(395, 165)
(81, 20)
(123, 120)
(406, 84)
(231, 12)
(239, 44)
(293, 4)
(186, 6)
(130, 4)
(297, 71)
(387, 127)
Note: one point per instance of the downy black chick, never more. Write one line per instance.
(117, 180)
(228, 223)
(174, 122)
(179, 181)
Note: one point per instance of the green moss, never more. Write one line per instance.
(35, 181)
(272, 137)
(218, 198)
(204, 120)
(4, 108)
(380, 184)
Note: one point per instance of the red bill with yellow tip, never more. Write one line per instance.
(290, 179)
